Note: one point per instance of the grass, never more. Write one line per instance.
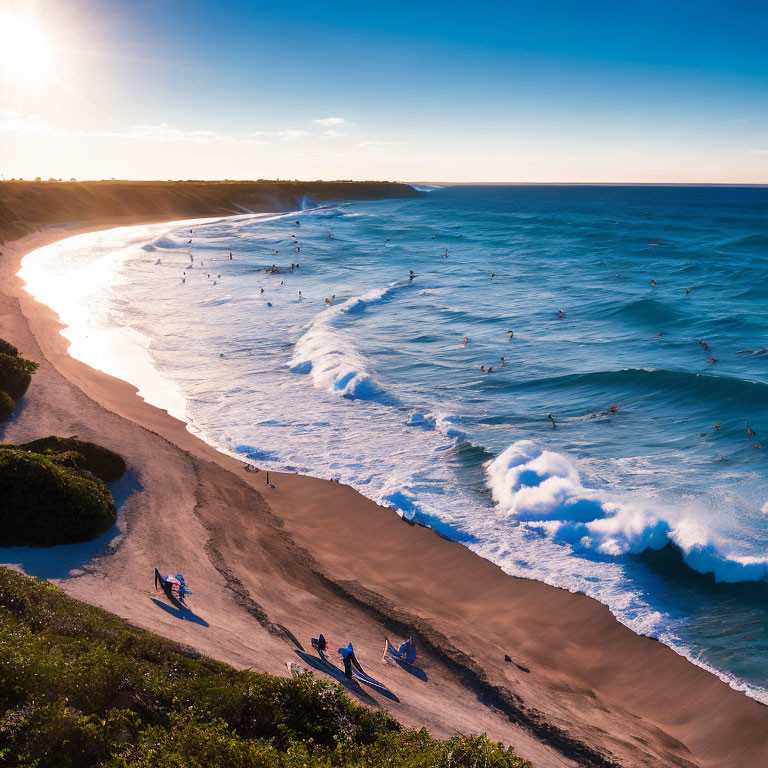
(80, 688)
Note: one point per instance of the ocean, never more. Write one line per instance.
(572, 381)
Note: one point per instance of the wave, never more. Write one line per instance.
(543, 490)
(649, 312)
(669, 384)
(330, 355)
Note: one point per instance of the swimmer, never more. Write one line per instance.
(613, 409)
(327, 300)
(750, 431)
(653, 283)
(330, 235)
(276, 251)
(230, 255)
(298, 250)
(445, 255)
(511, 335)
(464, 343)
(490, 369)
(493, 275)
(561, 314)
(411, 274)
(482, 368)
(503, 362)
(658, 335)
(718, 425)
(687, 291)
(711, 360)
(758, 444)
(618, 275)
(386, 239)
(704, 345)
(554, 426)
(300, 296)
(298, 223)
(262, 289)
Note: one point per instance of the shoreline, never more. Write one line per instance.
(570, 684)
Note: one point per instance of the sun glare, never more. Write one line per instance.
(25, 47)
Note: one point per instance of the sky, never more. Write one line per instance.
(672, 91)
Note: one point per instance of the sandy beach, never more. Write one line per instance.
(272, 567)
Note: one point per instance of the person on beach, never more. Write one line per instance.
(320, 644)
(554, 426)
(350, 660)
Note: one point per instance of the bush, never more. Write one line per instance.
(80, 687)
(15, 374)
(6, 348)
(6, 406)
(70, 451)
(42, 503)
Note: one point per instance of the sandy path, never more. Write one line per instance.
(268, 568)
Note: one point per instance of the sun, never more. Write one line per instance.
(26, 50)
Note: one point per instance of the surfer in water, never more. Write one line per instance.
(411, 274)
(554, 426)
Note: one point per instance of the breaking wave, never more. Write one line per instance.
(543, 490)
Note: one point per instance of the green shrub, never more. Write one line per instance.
(73, 452)
(42, 503)
(6, 348)
(6, 406)
(80, 687)
(15, 374)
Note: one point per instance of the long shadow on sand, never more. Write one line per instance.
(411, 669)
(333, 671)
(70, 560)
(184, 614)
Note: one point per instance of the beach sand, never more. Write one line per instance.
(272, 567)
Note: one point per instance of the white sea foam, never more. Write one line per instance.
(328, 352)
(543, 490)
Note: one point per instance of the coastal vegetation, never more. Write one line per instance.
(54, 491)
(15, 376)
(79, 688)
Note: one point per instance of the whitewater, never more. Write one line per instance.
(615, 446)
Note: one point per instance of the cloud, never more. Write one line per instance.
(287, 134)
(380, 146)
(329, 121)
(332, 135)
(14, 123)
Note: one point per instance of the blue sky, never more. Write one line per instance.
(547, 91)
